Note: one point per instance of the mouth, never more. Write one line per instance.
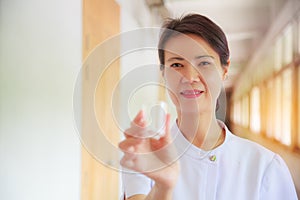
(190, 94)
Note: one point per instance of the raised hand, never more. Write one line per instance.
(151, 156)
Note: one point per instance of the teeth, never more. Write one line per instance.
(188, 92)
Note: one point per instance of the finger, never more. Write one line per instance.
(128, 161)
(166, 133)
(137, 127)
(129, 164)
(167, 136)
(139, 119)
(164, 139)
(139, 133)
(128, 133)
(129, 144)
(135, 131)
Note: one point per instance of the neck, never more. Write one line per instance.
(202, 130)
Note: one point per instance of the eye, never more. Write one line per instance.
(204, 63)
(176, 65)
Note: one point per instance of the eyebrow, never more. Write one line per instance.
(197, 57)
(175, 58)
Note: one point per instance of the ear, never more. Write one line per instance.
(163, 73)
(225, 70)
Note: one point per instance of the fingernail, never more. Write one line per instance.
(130, 149)
(156, 137)
(142, 119)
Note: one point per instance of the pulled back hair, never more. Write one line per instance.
(198, 25)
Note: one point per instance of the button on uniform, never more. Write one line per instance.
(213, 158)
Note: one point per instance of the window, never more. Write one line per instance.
(245, 111)
(288, 44)
(270, 109)
(278, 54)
(277, 108)
(286, 107)
(237, 112)
(255, 110)
(298, 34)
(298, 134)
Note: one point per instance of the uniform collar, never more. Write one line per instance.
(184, 147)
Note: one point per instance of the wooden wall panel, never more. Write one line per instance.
(101, 20)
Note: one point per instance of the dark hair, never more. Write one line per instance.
(200, 26)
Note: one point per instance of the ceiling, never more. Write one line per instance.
(245, 23)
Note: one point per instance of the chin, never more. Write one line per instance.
(195, 109)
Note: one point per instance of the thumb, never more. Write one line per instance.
(165, 139)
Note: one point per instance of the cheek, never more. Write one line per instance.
(172, 79)
(172, 87)
(214, 83)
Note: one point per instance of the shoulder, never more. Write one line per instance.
(244, 146)
(277, 182)
(264, 170)
(248, 148)
(247, 154)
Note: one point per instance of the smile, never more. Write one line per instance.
(191, 93)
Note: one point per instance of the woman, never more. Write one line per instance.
(209, 161)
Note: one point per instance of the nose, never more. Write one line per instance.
(190, 75)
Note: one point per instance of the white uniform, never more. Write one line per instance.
(237, 170)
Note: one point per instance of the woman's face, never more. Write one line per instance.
(193, 73)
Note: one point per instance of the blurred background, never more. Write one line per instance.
(43, 48)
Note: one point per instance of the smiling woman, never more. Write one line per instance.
(190, 61)
(198, 158)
